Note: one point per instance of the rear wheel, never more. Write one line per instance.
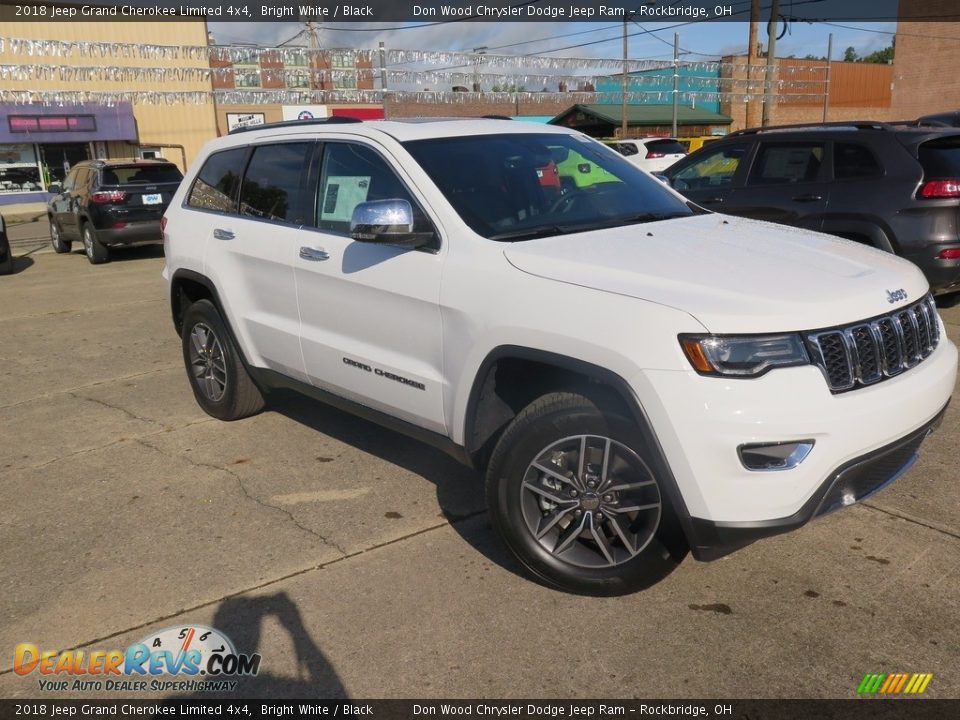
(220, 382)
(97, 253)
(573, 495)
(56, 239)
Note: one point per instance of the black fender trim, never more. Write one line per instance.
(605, 377)
(196, 277)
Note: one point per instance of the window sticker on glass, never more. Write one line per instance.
(343, 193)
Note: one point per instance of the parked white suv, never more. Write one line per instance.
(653, 154)
(637, 377)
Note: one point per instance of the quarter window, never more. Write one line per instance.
(219, 179)
(854, 161)
(272, 185)
(778, 164)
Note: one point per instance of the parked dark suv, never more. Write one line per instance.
(105, 203)
(894, 187)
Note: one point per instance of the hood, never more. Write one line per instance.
(734, 275)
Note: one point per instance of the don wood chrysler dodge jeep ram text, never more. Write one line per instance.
(637, 377)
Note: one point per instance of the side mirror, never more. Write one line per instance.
(54, 188)
(389, 222)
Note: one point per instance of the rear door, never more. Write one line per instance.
(787, 184)
(61, 208)
(251, 229)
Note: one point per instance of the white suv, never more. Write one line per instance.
(637, 377)
(653, 154)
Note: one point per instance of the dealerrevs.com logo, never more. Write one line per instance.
(894, 683)
(178, 659)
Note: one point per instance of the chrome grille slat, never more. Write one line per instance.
(868, 352)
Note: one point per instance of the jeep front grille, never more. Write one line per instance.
(873, 350)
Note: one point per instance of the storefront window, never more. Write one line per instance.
(19, 169)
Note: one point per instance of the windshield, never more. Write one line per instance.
(527, 185)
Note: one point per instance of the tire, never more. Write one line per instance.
(60, 245)
(97, 253)
(612, 538)
(218, 377)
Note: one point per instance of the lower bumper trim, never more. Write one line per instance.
(851, 483)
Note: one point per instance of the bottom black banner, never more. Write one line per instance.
(867, 709)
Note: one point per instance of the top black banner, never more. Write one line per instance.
(443, 11)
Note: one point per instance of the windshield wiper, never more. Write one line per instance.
(645, 217)
(536, 232)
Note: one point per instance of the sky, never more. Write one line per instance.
(699, 41)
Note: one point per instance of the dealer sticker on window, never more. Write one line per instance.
(152, 199)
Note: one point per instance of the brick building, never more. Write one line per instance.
(927, 52)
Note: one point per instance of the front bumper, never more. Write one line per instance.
(851, 483)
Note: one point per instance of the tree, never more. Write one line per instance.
(884, 56)
(850, 54)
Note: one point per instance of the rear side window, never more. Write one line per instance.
(626, 149)
(273, 184)
(854, 161)
(780, 163)
(140, 175)
(665, 147)
(218, 182)
(941, 158)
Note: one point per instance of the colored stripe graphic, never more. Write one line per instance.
(894, 683)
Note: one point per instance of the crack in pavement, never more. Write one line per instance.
(246, 493)
(260, 586)
(88, 385)
(78, 311)
(126, 412)
(911, 519)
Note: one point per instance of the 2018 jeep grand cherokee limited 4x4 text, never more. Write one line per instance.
(637, 377)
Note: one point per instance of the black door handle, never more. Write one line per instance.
(807, 198)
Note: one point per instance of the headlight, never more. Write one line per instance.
(743, 355)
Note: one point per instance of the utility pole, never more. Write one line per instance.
(771, 59)
(383, 78)
(314, 60)
(623, 99)
(826, 84)
(751, 58)
(676, 79)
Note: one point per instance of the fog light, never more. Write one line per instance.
(774, 456)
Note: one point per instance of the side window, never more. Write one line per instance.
(353, 174)
(714, 169)
(219, 179)
(782, 163)
(272, 187)
(626, 149)
(70, 182)
(854, 161)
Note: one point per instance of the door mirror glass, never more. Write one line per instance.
(386, 221)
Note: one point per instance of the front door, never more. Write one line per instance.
(370, 313)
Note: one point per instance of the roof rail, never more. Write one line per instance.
(856, 124)
(334, 120)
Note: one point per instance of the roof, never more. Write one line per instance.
(650, 115)
(401, 130)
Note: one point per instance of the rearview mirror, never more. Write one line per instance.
(389, 222)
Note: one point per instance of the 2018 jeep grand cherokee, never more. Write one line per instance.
(638, 377)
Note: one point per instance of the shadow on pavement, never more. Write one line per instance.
(242, 620)
(460, 490)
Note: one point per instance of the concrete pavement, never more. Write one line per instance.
(360, 563)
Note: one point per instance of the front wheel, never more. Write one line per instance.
(220, 382)
(574, 497)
